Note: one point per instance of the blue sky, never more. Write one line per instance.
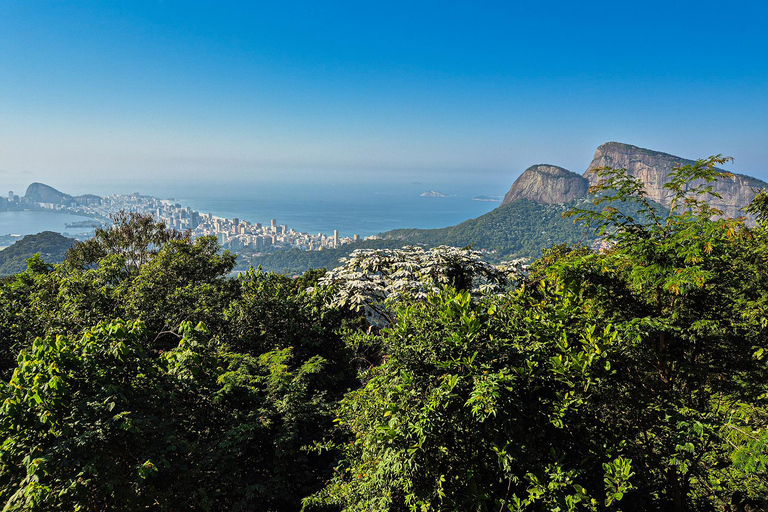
(124, 92)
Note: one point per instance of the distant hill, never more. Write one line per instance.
(521, 228)
(51, 246)
(295, 261)
(42, 193)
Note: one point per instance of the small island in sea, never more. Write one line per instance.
(493, 199)
(432, 193)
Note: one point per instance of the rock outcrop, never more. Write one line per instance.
(41, 193)
(547, 184)
(653, 168)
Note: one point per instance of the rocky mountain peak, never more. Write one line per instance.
(547, 184)
(654, 167)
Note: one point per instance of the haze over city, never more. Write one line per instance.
(101, 95)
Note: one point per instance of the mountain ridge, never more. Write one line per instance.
(539, 184)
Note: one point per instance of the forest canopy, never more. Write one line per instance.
(138, 375)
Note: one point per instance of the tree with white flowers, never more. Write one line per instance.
(370, 280)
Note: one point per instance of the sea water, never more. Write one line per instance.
(354, 210)
(35, 221)
(321, 207)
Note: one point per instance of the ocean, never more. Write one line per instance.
(355, 210)
(359, 208)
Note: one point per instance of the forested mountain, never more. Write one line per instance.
(530, 217)
(137, 376)
(293, 261)
(51, 246)
(519, 229)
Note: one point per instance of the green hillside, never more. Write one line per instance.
(51, 246)
(292, 261)
(521, 228)
(518, 229)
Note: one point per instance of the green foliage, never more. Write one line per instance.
(183, 281)
(676, 288)
(478, 407)
(101, 423)
(49, 245)
(630, 378)
(75, 420)
(134, 236)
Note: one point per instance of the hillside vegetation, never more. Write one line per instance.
(51, 246)
(519, 229)
(137, 376)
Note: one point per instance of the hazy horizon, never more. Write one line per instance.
(97, 94)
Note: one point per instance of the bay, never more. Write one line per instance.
(29, 222)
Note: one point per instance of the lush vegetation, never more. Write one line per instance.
(136, 375)
(519, 229)
(297, 261)
(51, 246)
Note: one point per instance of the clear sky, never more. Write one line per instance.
(127, 91)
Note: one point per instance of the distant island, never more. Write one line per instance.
(432, 193)
(491, 199)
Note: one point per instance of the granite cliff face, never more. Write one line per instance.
(547, 184)
(653, 168)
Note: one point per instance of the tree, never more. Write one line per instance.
(77, 421)
(478, 406)
(99, 422)
(372, 280)
(137, 237)
(687, 398)
(185, 280)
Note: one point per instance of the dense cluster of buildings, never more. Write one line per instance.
(234, 234)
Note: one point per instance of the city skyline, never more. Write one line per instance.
(108, 93)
